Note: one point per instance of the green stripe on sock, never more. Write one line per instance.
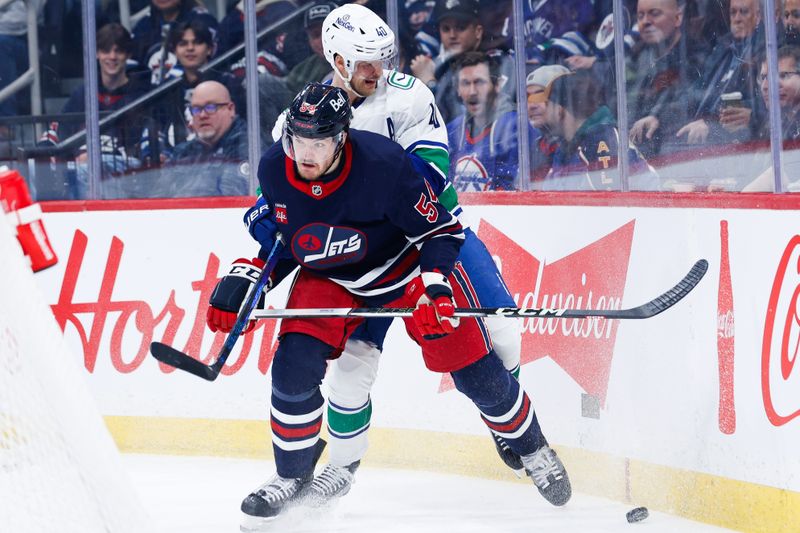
(349, 422)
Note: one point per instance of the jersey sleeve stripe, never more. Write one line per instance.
(438, 158)
(452, 229)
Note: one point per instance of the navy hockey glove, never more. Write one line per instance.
(229, 294)
(435, 306)
(260, 222)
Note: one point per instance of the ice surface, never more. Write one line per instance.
(202, 495)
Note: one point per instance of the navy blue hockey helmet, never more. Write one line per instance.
(319, 111)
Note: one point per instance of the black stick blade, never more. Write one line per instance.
(676, 293)
(175, 358)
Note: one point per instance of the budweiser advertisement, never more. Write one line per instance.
(685, 388)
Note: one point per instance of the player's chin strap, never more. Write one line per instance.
(346, 81)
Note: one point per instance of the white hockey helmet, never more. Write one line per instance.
(357, 34)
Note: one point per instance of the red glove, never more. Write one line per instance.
(229, 294)
(435, 306)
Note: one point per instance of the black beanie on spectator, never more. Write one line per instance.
(466, 10)
(317, 13)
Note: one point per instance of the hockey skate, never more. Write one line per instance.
(270, 499)
(265, 503)
(509, 456)
(549, 475)
(331, 484)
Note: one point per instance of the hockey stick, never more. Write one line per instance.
(646, 310)
(176, 358)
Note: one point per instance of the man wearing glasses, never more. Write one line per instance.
(789, 100)
(214, 162)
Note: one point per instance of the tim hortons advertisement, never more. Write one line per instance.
(711, 379)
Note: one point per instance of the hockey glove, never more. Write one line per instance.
(435, 306)
(260, 222)
(229, 294)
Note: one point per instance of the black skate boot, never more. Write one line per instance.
(549, 475)
(270, 499)
(509, 456)
(276, 495)
(331, 484)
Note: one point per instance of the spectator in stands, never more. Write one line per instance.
(192, 43)
(151, 34)
(276, 93)
(214, 163)
(460, 31)
(730, 68)
(548, 20)
(279, 51)
(665, 65)
(546, 143)
(416, 26)
(483, 141)
(586, 155)
(789, 99)
(791, 22)
(14, 50)
(498, 26)
(117, 88)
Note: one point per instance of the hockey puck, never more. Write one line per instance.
(637, 515)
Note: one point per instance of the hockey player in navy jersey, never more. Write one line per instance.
(364, 242)
(404, 110)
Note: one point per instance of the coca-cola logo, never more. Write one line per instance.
(591, 277)
(135, 318)
(779, 350)
(725, 325)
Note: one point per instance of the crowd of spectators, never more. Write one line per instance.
(695, 84)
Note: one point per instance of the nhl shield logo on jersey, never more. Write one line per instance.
(320, 246)
(316, 189)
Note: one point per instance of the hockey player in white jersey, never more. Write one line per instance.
(360, 47)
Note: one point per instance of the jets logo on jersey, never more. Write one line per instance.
(305, 107)
(471, 175)
(320, 246)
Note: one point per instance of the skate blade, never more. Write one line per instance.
(520, 473)
(256, 524)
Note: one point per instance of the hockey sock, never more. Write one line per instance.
(349, 380)
(504, 406)
(507, 341)
(297, 403)
(347, 428)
